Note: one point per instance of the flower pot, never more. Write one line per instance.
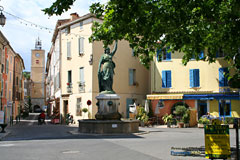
(169, 124)
(180, 124)
(200, 125)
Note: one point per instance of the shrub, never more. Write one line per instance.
(229, 120)
(167, 118)
(203, 121)
(85, 110)
(142, 115)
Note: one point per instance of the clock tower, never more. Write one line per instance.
(38, 76)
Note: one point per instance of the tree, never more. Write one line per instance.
(190, 27)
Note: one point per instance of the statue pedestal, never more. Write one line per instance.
(108, 107)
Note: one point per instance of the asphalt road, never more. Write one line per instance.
(29, 141)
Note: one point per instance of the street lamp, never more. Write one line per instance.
(2, 17)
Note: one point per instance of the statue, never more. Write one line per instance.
(106, 71)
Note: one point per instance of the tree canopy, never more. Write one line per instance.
(211, 26)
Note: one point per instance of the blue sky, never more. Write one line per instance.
(22, 35)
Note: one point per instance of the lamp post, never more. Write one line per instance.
(2, 17)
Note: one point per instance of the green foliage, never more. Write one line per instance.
(167, 118)
(58, 7)
(186, 116)
(85, 110)
(180, 110)
(203, 121)
(229, 120)
(186, 26)
(142, 115)
(27, 75)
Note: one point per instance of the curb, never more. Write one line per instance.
(3, 135)
(113, 134)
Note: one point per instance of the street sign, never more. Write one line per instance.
(1, 117)
(217, 143)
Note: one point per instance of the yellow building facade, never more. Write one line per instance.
(79, 69)
(199, 85)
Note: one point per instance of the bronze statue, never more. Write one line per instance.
(106, 71)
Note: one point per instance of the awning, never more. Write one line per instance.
(211, 96)
(165, 96)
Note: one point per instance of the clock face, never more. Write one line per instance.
(37, 54)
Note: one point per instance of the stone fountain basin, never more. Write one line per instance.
(108, 126)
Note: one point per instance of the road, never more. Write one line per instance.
(29, 141)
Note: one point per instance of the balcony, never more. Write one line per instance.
(69, 87)
(81, 87)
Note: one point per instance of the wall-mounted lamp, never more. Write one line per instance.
(2, 17)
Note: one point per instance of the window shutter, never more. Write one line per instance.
(69, 76)
(164, 79)
(169, 80)
(168, 57)
(69, 49)
(191, 78)
(81, 74)
(80, 45)
(130, 77)
(221, 77)
(196, 79)
(201, 55)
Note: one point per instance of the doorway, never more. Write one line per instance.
(202, 108)
(65, 108)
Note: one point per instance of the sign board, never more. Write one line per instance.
(217, 143)
(1, 117)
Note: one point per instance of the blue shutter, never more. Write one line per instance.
(191, 78)
(221, 77)
(225, 76)
(196, 79)
(158, 52)
(169, 80)
(201, 55)
(164, 85)
(168, 56)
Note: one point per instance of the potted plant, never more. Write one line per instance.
(203, 121)
(85, 110)
(186, 118)
(180, 110)
(142, 116)
(167, 119)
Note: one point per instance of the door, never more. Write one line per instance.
(65, 109)
(129, 102)
(202, 108)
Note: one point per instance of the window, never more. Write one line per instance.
(78, 108)
(70, 77)
(220, 53)
(7, 66)
(68, 49)
(166, 79)
(132, 77)
(67, 30)
(16, 80)
(133, 52)
(81, 25)
(223, 77)
(200, 56)
(81, 45)
(81, 75)
(37, 61)
(225, 108)
(163, 55)
(194, 78)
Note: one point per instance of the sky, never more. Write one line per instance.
(22, 35)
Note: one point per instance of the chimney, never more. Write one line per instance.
(74, 16)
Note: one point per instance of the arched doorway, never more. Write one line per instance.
(37, 108)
